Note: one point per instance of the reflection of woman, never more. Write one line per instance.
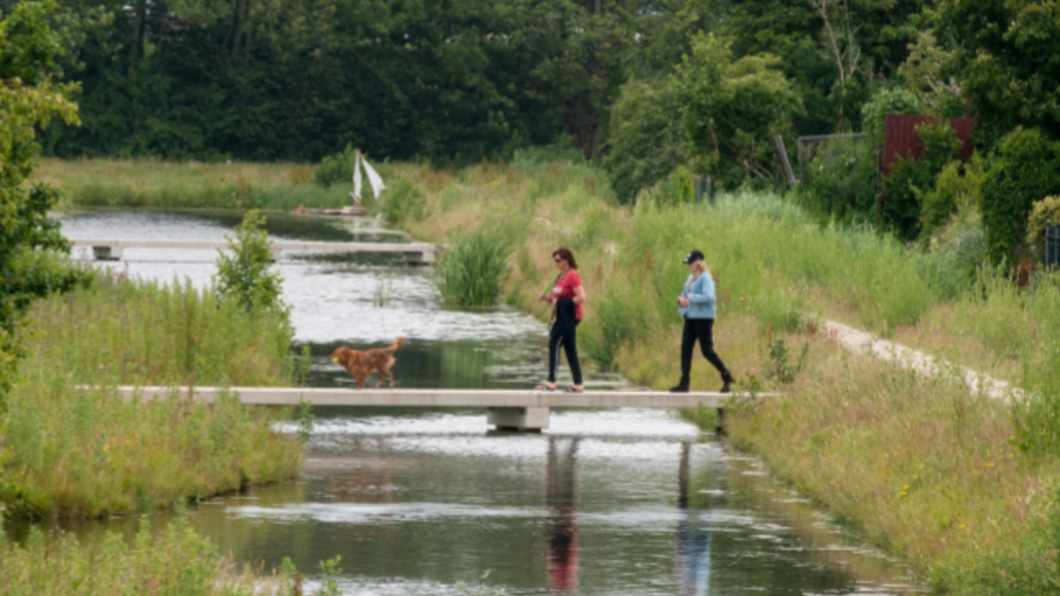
(697, 303)
(567, 296)
(562, 522)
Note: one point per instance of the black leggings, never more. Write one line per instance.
(703, 330)
(565, 335)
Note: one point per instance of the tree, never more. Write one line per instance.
(648, 137)
(733, 109)
(1007, 61)
(28, 100)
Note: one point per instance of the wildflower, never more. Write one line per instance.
(906, 487)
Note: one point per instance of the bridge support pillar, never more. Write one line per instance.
(107, 253)
(419, 258)
(518, 419)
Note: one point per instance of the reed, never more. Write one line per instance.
(473, 269)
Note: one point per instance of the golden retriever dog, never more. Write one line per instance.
(361, 364)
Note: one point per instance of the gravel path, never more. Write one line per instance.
(865, 343)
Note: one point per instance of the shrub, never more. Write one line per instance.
(647, 137)
(403, 201)
(245, 276)
(1044, 213)
(1027, 169)
(473, 268)
(840, 180)
(957, 187)
(889, 101)
(904, 189)
(336, 168)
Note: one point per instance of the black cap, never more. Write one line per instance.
(693, 256)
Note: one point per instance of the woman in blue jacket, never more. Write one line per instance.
(697, 303)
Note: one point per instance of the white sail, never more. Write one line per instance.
(375, 180)
(357, 178)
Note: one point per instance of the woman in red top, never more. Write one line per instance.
(567, 294)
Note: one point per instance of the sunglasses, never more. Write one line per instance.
(556, 260)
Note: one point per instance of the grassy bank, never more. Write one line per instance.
(68, 450)
(58, 565)
(913, 463)
(188, 185)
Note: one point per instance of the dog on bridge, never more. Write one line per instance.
(361, 364)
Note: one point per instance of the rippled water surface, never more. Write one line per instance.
(608, 502)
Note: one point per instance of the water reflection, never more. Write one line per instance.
(562, 522)
(693, 537)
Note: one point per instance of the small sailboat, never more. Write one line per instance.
(374, 179)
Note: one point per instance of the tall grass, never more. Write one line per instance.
(473, 268)
(176, 562)
(72, 451)
(157, 184)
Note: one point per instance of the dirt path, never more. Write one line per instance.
(860, 341)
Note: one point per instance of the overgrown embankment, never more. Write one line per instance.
(75, 451)
(147, 183)
(962, 487)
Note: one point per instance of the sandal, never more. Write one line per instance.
(573, 390)
(543, 387)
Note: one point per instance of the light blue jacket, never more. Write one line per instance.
(701, 300)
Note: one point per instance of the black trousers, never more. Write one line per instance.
(564, 334)
(703, 330)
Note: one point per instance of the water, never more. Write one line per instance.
(607, 502)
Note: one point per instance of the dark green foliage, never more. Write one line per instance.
(648, 137)
(28, 102)
(1026, 169)
(1007, 61)
(402, 201)
(909, 179)
(336, 168)
(733, 108)
(244, 272)
(840, 179)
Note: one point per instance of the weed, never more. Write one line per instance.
(244, 273)
(778, 368)
(304, 417)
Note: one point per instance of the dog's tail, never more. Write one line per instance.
(397, 344)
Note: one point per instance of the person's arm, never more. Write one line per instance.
(702, 291)
(579, 295)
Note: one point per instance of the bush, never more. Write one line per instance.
(1044, 213)
(647, 137)
(1027, 169)
(904, 189)
(336, 168)
(245, 275)
(403, 201)
(473, 268)
(840, 181)
(957, 187)
(889, 101)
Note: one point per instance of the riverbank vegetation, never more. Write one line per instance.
(57, 564)
(851, 431)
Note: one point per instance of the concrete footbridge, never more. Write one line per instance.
(522, 410)
(415, 253)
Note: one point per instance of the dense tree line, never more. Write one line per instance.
(465, 79)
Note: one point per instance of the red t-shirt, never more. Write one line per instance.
(565, 289)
